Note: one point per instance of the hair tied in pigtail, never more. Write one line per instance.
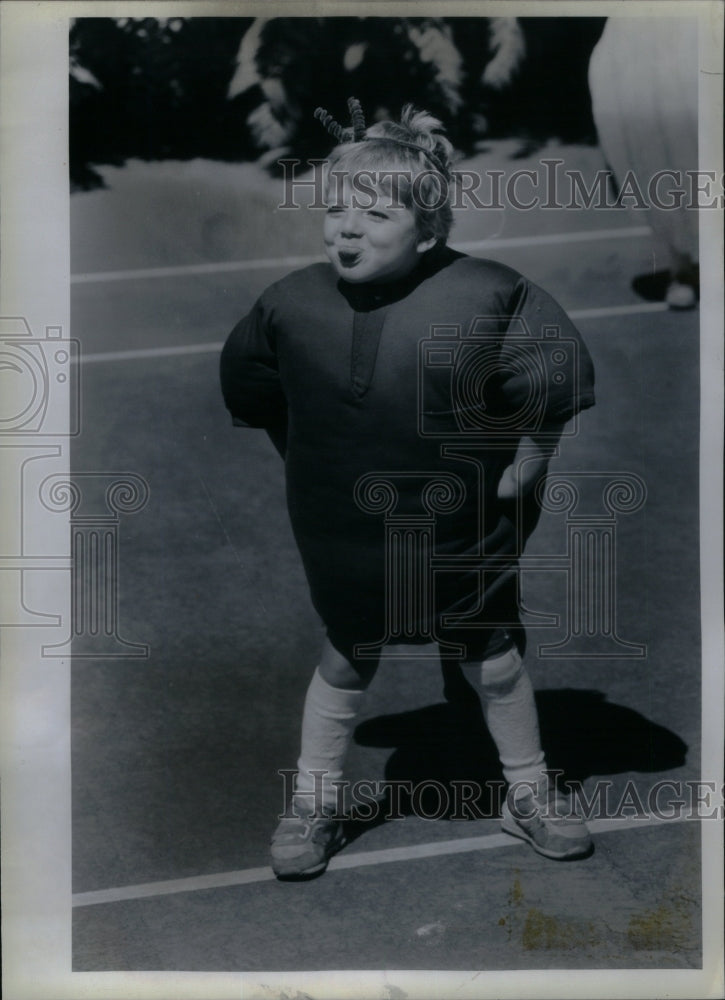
(357, 134)
(333, 127)
(357, 118)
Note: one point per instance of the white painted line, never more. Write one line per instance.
(359, 859)
(630, 310)
(151, 352)
(548, 239)
(183, 270)
(214, 346)
(414, 852)
(264, 263)
(194, 884)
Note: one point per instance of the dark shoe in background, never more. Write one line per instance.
(679, 291)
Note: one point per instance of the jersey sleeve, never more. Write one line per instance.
(249, 371)
(548, 371)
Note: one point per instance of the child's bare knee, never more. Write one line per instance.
(340, 672)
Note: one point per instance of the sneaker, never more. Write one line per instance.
(302, 845)
(548, 825)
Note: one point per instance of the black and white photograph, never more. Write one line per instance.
(361, 430)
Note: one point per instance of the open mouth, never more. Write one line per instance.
(348, 258)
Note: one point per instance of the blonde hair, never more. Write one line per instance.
(416, 148)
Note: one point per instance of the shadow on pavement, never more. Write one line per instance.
(583, 735)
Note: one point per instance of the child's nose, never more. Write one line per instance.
(351, 223)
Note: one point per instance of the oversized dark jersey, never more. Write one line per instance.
(403, 403)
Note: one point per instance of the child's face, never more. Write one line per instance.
(368, 237)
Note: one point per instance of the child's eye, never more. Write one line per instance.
(334, 209)
(377, 214)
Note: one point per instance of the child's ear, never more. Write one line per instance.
(426, 245)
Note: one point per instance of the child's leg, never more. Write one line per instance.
(507, 699)
(303, 843)
(330, 714)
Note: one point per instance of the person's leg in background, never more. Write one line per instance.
(643, 80)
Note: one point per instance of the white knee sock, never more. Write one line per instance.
(328, 721)
(507, 699)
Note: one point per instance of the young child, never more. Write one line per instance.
(328, 361)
